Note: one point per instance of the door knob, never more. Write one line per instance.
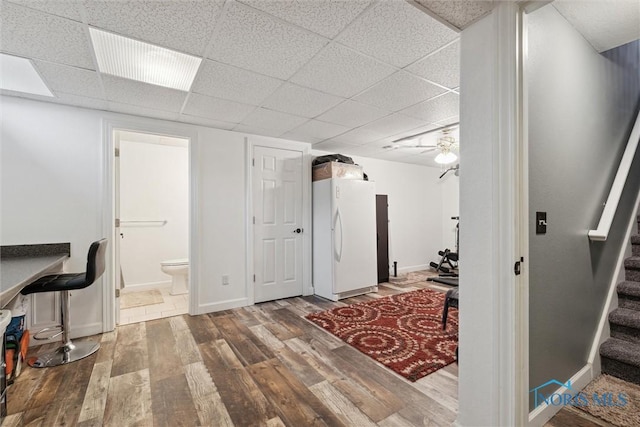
(298, 230)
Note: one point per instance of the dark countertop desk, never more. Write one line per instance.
(23, 264)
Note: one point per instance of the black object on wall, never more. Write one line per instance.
(382, 225)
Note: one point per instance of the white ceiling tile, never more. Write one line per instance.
(34, 34)
(399, 91)
(270, 120)
(436, 109)
(459, 13)
(143, 95)
(449, 120)
(318, 129)
(358, 136)
(393, 124)
(341, 71)
(335, 147)
(185, 26)
(257, 131)
(352, 114)
(216, 108)
(255, 41)
(300, 101)
(134, 110)
(201, 121)
(70, 80)
(227, 82)
(442, 67)
(325, 17)
(396, 32)
(63, 8)
(301, 138)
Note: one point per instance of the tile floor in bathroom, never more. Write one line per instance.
(173, 305)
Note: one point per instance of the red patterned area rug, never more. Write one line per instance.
(403, 332)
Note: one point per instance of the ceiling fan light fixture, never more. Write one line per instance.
(445, 158)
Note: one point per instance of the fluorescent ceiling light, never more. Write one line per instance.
(445, 158)
(19, 75)
(144, 62)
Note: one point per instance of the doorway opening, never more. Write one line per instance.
(151, 231)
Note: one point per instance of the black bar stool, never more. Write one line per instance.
(63, 283)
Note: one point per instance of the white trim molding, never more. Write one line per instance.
(221, 305)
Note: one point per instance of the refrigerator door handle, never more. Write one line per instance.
(338, 220)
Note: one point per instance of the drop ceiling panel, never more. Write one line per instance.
(63, 8)
(335, 147)
(35, 34)
(185, 26)
(352, 114)
(142, 111)
(255, 41)
(393, 32)
(341, 71)
(81, 101)
(358, 136)
(270, 120)
(435, 110)
(216, 108)
(232, 83)
(257, 131)
(460, 13)
(201, 121)
(143, 95)
(399, 91)
(393, 124)
(300, 101)
(442, 67)
(318, 129)
(325, 17)
(605, 23)
(70, 80)
(299, 137)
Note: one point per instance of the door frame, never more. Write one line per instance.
(149, 126)
(305, 149)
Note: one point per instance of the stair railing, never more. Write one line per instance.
(611, 206)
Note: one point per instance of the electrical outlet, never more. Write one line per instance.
(225, 279)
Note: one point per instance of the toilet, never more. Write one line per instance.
(178, 269)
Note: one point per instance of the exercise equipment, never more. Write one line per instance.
(449, 259)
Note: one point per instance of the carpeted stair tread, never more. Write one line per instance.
(635, 239)
(622, 351)
(625, 317)
(632, 263)
(628, 288)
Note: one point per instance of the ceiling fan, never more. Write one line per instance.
(445, 143)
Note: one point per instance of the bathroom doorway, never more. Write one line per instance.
(152, 225)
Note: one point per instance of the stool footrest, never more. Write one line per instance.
(45, 330)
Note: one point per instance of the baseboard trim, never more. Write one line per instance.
(413, 268)
(543, 413)
(145, 286)
(222, 305)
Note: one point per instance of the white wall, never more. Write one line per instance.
(154, 186)
(415, 210)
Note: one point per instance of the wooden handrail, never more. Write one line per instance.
(602, 232)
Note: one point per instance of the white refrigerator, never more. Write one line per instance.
(344, 238)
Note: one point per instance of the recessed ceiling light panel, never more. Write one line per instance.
(19, 75)
(144, 62)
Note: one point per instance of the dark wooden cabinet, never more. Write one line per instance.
(382, 225)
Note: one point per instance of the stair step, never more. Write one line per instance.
(632, 268)
(629, 295)
(625, 324)
(635, 245)
(621, 359)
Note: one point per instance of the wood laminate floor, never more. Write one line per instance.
(262, 365)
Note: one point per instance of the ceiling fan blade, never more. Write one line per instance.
(429, 150)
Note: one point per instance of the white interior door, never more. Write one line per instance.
(277, 204)
(117, 233)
